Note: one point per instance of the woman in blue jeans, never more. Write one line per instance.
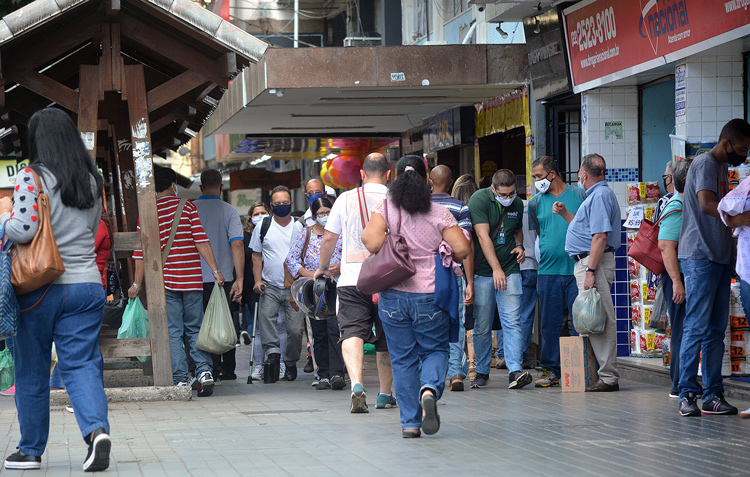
(69, 310)
(417, 328)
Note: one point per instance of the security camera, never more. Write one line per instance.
(480, 8)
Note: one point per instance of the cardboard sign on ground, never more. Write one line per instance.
(577, 364)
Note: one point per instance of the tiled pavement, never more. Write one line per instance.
(290, 428)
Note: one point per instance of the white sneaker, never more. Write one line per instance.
(282, 370)
(206, 380)
(745, 414)
(257, 371)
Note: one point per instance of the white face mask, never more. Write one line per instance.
(580, 184)
(323, 220)
(542, 185)
(258, 219)
(506, 202)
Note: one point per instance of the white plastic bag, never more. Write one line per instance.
(588, 313)
(217, 334)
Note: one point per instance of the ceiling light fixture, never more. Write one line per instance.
(538, 28)
(261, 159)
(500, 30)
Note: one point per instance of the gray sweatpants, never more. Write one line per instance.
(268, 311)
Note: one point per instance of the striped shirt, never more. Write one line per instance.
(182, 271)
(459, 210)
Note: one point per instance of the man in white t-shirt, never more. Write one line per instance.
(356, 311)
(274, 237)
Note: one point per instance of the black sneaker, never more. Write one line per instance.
(20, 461)
(688, 408)
(718, 405)
(323, 384)
(98, 457)
(291, 371)
(309, 366)
(519, 379)
(481, 381)
(206, 383)
(338, 383)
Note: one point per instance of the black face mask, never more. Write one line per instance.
(734, 158)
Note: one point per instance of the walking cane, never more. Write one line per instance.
(252, 343)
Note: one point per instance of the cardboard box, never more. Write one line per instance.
(577, 364)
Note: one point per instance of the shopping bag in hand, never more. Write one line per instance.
(588, 313)
(217, 334)
(7, 370)
(134, 323)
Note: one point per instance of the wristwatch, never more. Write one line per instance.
(592, 270)
(216, 271)
(321, 267)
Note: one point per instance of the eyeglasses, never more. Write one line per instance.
(286, 202)
(314, 192)
(323, 214)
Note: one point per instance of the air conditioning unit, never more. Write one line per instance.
(363, 41)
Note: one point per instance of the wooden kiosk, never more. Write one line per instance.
(139, 77)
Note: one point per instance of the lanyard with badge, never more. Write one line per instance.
(501, 234)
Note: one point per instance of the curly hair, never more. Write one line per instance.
(249, 227)
(410, 191)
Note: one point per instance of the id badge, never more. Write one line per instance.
(501, 238)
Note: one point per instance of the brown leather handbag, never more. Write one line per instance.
(38, 262)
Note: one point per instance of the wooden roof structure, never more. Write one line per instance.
(139, 77)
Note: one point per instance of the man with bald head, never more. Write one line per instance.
(314, 190)
(441, 181)
(356, 311)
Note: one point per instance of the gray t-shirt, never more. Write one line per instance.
(222, 224)
(703, 237)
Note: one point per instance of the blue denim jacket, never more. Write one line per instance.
(446, 295)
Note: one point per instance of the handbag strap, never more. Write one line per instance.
(364, 215)
(173, 232)
(664, 215)
(307, 242)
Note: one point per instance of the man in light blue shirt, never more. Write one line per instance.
(592, 238)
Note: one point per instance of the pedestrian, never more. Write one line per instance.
(271, 242)
(223, 227)
(529, 294)
(416, 326)
(463, 189)
(325, 333)
(314, 190)
(672, 280)
(441, 180)
(357, 313)
(497, 217)
(706, 255)
(69, 310)
(183, 281)
(556, 282)
(668, 180)
(592, 238)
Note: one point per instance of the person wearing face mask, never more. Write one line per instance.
(314, 190)
(668, 182)
(594, 233)
(497, 218)
(325, 333)
(556, 283)
(705, 253)
(254, 216)
(270, 242)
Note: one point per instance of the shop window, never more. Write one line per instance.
(564, 139)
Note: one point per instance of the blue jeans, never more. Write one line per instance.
(528, 306)
(417, 331)
(71, 316)
(745, 297)
(677, 322)
(457, 364)
(185, 316)
(508, 304)
(555, 293)
(706, 314)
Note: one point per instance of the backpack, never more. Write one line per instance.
(266, 224)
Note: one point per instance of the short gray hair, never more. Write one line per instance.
(594, 164)
(548, 163)
(679, 174)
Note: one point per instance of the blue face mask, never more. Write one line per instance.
(282, 210)
(313, 198)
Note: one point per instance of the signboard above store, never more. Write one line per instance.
(612, 39)
(549, 73)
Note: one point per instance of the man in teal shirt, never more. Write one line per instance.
(556, 283)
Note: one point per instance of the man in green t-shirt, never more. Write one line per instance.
(556, 283)
(497, 218)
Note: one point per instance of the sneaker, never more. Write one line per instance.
(718, 405)
(547, 380)
(245, 337)
(11, 391)
(501, 364)
(481, 381)
(337, 382)
(290, 373)
(309, 366)
(315, 382)
(98, 457)
(745, 414)
(194, 384)
(359, 400)
(70, 409)
(20, 461)
(674, 394)
(324, 383)
(206, 383)
(182, 384)
(385, 401)
(688, 406)
(257, 373)
(519, 379)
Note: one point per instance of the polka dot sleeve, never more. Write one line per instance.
(22, 224)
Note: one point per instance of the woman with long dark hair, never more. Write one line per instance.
(416, 327)
(70, 314)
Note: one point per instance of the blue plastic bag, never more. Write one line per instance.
(9, 310)
(135, 323)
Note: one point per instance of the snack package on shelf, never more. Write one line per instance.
(635, 316)
(633, 193)
(666, 352)
(649, 211)
(635, 291)
(646, 313)
(653, 192)
(630, 237)
(634, 268)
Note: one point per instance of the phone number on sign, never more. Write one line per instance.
(594, 30)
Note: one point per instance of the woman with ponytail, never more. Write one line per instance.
(416, 327)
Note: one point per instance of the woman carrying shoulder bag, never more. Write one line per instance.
(417, 329)
(69, 310)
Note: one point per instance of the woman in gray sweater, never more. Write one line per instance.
(70, 314)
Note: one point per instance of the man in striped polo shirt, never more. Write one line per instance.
(183, 281)
(442, 181)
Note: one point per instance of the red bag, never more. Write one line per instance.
(645, 248)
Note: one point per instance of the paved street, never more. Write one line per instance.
(290, 428)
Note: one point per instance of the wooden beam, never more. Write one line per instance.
(228, 64)
(111, 7)
(47, 87)
(173, 89)
(140, 128)
(127, 241)
(116, 57)
(164, 121)
(125, 348)
(88, 107)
